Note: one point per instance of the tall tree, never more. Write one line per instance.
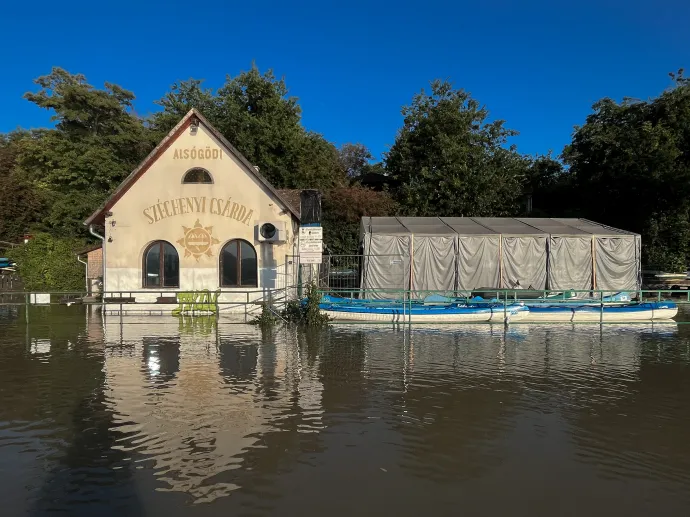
(450, 160)
(631, 164)
(256, 114)
(95, 144)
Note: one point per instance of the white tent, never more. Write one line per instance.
(463, 253)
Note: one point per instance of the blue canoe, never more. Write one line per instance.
(344, 309)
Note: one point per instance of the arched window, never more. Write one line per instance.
(161, 265)
(197, 175)
(238, 267)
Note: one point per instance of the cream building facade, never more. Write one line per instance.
(194, 216)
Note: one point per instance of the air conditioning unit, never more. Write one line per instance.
(271, 231)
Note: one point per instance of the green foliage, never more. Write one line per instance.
(627, 166)
(631, 169)
(451, 161)
(254, 112)
(96, 143)
(342, 212)
(308, 314)
(293, 312)
(354, 159)
(266, 319)
(20, 204)
(312, 313)
(551, 188)
(47, 263)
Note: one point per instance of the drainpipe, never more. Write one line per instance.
(96, 234)
(86, 273)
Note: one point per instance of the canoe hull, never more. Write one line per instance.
(641, 312)
(341, 309)
(464, 315)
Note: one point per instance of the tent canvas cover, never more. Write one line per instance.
(466, 253)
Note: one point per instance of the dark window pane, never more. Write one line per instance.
(171, 266)
(152, 267)
(229, 263)
(248, 269)
(197, 176)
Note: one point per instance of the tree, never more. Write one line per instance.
(20, 205)
(183, 96)
(451, 161)
(256, 114)
(631, 165)
(343, 209)
(97, 141)
(354, 159)
(551, 187)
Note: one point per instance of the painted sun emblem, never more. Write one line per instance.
(197, 240)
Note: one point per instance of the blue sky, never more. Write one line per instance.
(539, 65)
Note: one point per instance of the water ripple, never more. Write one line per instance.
(153, 417)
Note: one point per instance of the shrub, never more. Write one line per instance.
(47, 263)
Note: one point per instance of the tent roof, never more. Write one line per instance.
(486, 226)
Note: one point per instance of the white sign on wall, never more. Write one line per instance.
(310, 244)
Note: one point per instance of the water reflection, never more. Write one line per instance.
(149, 415)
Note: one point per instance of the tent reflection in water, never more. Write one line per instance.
(459, 254)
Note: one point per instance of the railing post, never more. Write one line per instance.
(408, 298)
(601, 305)
(505, 307)
(403, 307)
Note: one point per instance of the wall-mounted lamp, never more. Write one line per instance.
(194, 126)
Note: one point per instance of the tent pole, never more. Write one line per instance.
(594, 264)
(411, 263)
(500, 262)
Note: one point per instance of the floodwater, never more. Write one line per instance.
(160, 416)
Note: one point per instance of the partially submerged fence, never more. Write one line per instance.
(243, 303)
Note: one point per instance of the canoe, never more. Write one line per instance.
(447, 310)
(343, 309)
(648, 311)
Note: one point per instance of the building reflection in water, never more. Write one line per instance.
(209, 410)
(197, 402)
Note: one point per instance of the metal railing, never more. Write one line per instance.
(247, 303)
(680, 296)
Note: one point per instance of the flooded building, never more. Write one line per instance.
(194, 216)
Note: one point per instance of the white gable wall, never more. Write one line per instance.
(158, 206)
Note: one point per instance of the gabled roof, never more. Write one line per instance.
(292, 196)
(165, 144)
